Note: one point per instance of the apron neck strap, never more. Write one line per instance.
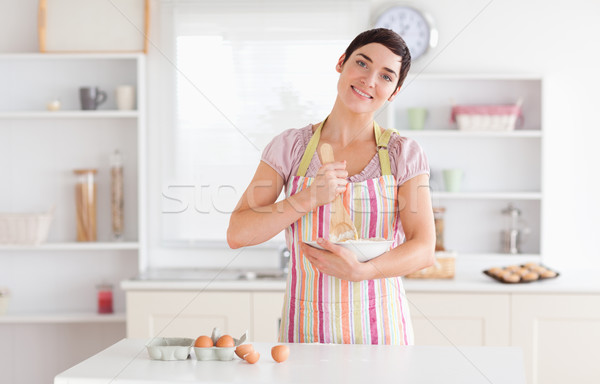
(381, 138)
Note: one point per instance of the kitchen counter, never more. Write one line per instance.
(467, 280)
(127, 362)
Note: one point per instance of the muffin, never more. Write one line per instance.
(511, 277)
(531, 276)
(547, 274)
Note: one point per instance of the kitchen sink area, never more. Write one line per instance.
(210, 275)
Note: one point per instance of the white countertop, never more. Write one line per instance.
(465, 281)
(127, 362)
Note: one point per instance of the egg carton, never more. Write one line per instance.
(169, 348)
(218, 353)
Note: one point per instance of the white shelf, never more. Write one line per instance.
(473, 76)
(74, 246)
(67, 317)
(454, 133)
(487, 195)
(503, 256)
(69, 56)
(68, 114)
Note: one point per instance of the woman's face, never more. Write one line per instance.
(368, 78)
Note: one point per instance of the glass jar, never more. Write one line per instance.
(116, 178)
(85, 204)
(438, 217)
(105, 298)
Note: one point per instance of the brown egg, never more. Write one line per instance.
(203, 342)
(225, 341)
(252, 357)
(280, 353)
(243, 350)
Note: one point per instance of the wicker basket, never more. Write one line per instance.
(442, 269)
(25, 228)
(486, 117)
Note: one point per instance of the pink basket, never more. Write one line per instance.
(486, 117)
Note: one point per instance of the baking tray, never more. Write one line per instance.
(521, 281)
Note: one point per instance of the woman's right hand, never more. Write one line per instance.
(329, 182)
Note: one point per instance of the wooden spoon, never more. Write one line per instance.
(341, 227)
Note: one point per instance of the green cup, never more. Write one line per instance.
(452, 179)
(416, 118)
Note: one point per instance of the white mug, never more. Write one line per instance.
(125, 95)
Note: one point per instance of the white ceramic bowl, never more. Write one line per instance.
(364, 249)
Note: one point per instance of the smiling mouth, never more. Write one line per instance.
(361, 93)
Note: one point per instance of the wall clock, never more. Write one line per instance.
(415, 27)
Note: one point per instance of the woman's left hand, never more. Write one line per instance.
(335, 260)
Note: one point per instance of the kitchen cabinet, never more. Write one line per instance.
(559, 335)
(193, 313)
(266, 315)
(460, 319)
(53, 285)
(555, 323)
(499, 167)
(187, 314)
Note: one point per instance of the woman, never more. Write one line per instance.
(384, 178)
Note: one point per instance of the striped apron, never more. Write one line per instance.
(319, 308)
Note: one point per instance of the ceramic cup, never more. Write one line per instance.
(452, 179)
(416, 118)
(125, 96)
(91, 97)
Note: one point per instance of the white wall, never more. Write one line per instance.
(552, 38)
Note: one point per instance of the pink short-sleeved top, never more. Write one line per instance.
(284, 153)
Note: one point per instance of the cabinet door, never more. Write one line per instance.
(267, 316)
(460, 319)
(559, 335)
(187, 313)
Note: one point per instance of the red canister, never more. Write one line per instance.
(105, 298)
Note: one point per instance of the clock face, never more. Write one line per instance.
(411, 25)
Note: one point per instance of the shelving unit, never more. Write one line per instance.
(41, 148)
(499, 167)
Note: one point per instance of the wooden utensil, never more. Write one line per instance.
(341, 227)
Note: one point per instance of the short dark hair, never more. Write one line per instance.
(388, 38)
